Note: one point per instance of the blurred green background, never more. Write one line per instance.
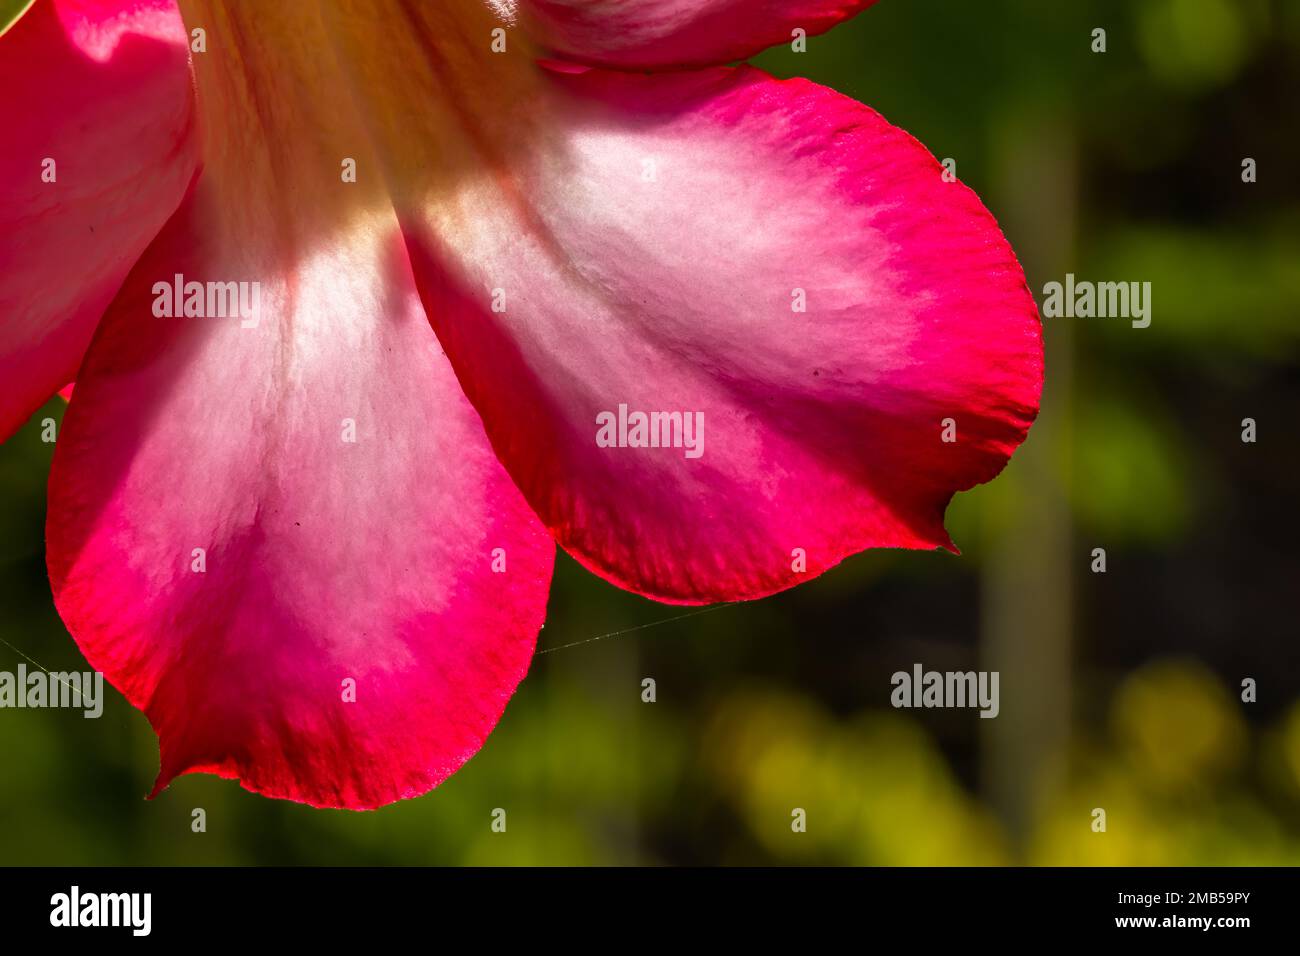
(1119, 690)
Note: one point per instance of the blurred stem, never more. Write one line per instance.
(1026, 607)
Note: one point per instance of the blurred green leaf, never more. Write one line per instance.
(10, 11)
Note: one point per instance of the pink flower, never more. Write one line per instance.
(327, 427)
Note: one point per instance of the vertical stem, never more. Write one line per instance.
(1026, 618)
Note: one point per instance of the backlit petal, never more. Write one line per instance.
(768, 257)
(96, 114)
(284, 535)
(650, 34)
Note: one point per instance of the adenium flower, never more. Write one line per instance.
(474, 229)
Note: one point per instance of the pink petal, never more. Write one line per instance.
(326, 561)
(658, 34)
(823, 429)
(102, 89)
